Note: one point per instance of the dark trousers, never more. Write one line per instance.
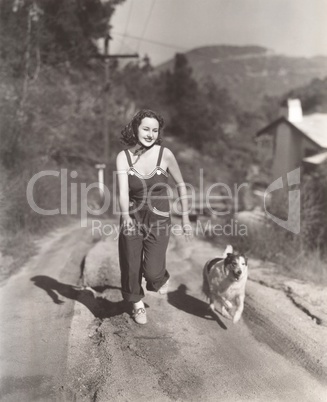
(142, 252)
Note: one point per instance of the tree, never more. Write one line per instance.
(313, 96)
(142, 86)
(180, 85)
(49, 91)
(184, 100)
(61, 30)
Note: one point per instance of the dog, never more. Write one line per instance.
(224, 280)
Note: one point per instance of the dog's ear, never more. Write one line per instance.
(228, 250)
(245, 259)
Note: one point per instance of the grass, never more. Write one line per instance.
(20, 225)
(307, 266)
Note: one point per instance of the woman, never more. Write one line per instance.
(145, 217)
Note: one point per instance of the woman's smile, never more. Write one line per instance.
(148, 131)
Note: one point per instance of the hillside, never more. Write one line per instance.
(251, 72)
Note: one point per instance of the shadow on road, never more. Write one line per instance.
(99, 306)
(191, 305)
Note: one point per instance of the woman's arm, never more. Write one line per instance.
(122, 168)
(176, 174)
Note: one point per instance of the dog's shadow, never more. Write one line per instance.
(191, 305)
(100, 307)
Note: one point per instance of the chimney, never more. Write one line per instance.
(294, 109)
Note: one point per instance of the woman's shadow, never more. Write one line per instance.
(99, 306)
(191, 305)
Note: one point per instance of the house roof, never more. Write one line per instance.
(313, 126)
(316, 159)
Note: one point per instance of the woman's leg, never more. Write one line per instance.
(155, 246)
(130, 260)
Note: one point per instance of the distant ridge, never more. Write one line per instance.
(251, 72)
(227, 51)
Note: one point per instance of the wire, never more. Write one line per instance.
(126, 48)
(127, 22)
(146, 24)
(152, 41)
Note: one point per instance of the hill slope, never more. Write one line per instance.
(251, 72)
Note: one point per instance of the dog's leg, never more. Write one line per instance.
(212, 306)
(213, 309)
(224, 306)
(228, 305)
(225, 303)
(225, 313)
(239, 301)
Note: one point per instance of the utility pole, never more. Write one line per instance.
(106, 133)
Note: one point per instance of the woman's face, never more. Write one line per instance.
(148, 131)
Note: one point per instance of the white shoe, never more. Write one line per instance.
(164, 288)
(139, 315)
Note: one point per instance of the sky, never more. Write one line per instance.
(160, 28)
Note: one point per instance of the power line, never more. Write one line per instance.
(152, 41)
(127, 22)
(146, 24)
(126, 47)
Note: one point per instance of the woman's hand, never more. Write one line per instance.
(127, 223)
(187, 228)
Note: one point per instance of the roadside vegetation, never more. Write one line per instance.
(50, 111)
(51, 118)
(302, 255)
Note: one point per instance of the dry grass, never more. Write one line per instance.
(307, 266)
(20, 225)
(271, 243)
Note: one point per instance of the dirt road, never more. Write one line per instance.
(35, 323)
(65, 342)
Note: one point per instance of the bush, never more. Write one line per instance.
(314, 212)
(303, 255)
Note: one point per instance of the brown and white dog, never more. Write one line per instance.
(224, 280)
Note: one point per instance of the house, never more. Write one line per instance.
(293, 140)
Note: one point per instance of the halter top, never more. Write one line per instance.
(149, 190)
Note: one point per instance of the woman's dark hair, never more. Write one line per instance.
(129, 132)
